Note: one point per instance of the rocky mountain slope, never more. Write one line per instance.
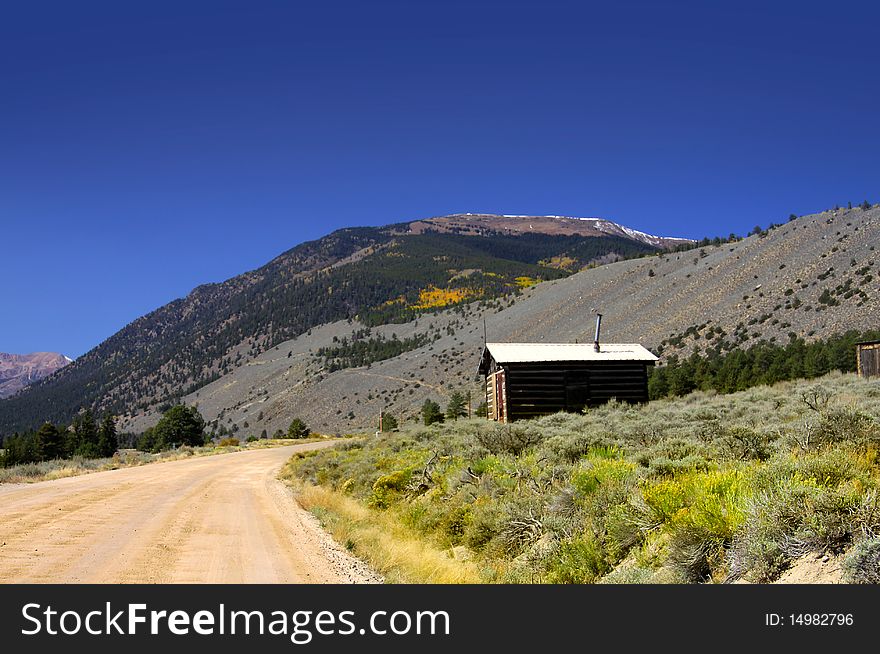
(371, 276)
(812, 277)
(20, 370)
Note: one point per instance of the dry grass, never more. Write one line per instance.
(380, 539)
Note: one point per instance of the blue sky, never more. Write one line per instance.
(146, 148)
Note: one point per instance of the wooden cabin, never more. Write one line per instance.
(868, 359)
(524, 380)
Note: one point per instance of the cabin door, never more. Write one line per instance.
(577, 390)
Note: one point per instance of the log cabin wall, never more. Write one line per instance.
(868, 359)
(537, 389)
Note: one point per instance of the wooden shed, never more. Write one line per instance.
(524, 380)
(868, 359)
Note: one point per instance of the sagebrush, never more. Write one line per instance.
(704, 488)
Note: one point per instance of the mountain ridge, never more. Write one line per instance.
(812, 277)
(373, 275)
(478, 223)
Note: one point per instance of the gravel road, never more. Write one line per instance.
(214, 519)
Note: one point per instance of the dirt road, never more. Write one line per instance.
(214, 519)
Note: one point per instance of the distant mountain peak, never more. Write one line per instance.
(482, 223)
(20, 370)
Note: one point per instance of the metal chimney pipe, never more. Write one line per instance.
(598, 327)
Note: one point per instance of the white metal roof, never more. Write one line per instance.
(535, 352)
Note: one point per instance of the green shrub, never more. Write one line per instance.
(570, 447)
(510, 439)
(846, 426)
(744, 444)
(674, 456)
(701, 512)
(862, 565)
(600, 483)
(671, 448)
(455, 520)
(794, 514)
(487, 464)
(485, 525)
(663, 500)
(349, 445)
(387, 486)
(829, 521)
(663, 467)
(831, 468)
(580, 560)
(629, 575)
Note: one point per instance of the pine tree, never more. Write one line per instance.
(86, 435)
(431, 412)
(389, 422)
(181, 425)
(456, 408)
(50, 442)
(107, 441)
(298, 429)
(148, 442)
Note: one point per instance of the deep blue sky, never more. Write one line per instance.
(146, 148)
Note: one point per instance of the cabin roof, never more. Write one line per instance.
(540, 352)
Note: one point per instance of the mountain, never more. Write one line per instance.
(372, 319)
(365, 276)
(481, 224)
(19, 370)
(812, 277)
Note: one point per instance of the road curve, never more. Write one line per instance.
(212, 519)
